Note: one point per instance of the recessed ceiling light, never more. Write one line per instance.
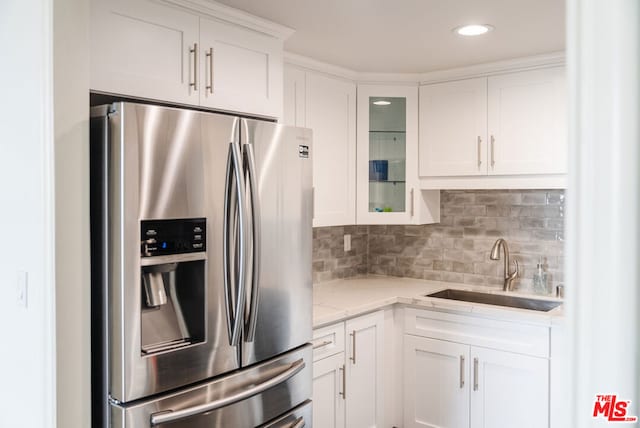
(473, 29)
(382, 103)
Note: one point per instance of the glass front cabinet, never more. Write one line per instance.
(388, 189)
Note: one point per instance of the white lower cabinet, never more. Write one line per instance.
(328, 392)
(455, 371)
(365, 395)
(508, 390)
(458, 385)
(436, 383)
(348, 386)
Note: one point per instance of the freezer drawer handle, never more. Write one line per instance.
(299, 423)
(172, 416)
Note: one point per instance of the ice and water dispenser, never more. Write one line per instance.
(172, 268)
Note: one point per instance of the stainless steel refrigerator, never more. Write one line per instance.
(201, 269)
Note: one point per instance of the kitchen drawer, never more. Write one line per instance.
(495, 334)
(328, 341)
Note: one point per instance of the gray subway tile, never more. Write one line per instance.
(473, 279)
(465, 221)
(555, 197)
(532, 223)
(498, 210)
(489, 268)
(443, 265)
(453, 255)
(462, 267)
(534, 198)
(434, 275)
(475, 210)
(453, 277)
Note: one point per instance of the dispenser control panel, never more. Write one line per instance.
(165, 237)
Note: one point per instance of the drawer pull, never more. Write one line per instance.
(461, 371)
(322, 344)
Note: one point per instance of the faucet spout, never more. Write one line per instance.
(495, 255)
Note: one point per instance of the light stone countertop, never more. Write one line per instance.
(338, 300)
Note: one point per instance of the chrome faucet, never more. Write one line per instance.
(495, 255)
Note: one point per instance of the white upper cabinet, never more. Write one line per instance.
(330, 112)
(143, 49)
(152, 50)
(294, 97)
(528, 123)
(503, 131)
(327, 106)
(240, 69)
(453, 128)
(388, 189)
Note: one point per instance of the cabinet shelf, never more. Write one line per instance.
(387, 132)
(387, 181)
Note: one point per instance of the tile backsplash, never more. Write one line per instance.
(456, 249)
(330, 261)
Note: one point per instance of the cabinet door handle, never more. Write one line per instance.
(209, 56)
(343, 369)
(194, 51)
(479, 151)
(493, 159)
(461, 371)
(411, 196)
(475, 374)
(353, 347)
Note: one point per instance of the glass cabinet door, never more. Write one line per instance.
(387, 154)
(387, 185)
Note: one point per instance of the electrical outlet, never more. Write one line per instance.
(22, 289)
(347, 242)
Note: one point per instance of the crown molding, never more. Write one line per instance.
(492, 68)
(411, 79)
(311, 64)
(225, 13)
(301, 61)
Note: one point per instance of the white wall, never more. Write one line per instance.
(71, 126)
(27, 360)
(603, 225)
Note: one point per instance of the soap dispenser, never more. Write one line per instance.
(540, 279)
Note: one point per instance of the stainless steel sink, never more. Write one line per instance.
(496, 299)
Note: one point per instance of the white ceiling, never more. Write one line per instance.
(413, 35)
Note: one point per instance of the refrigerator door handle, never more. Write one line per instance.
(172, 416)
(234, 198)
(255, 243)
